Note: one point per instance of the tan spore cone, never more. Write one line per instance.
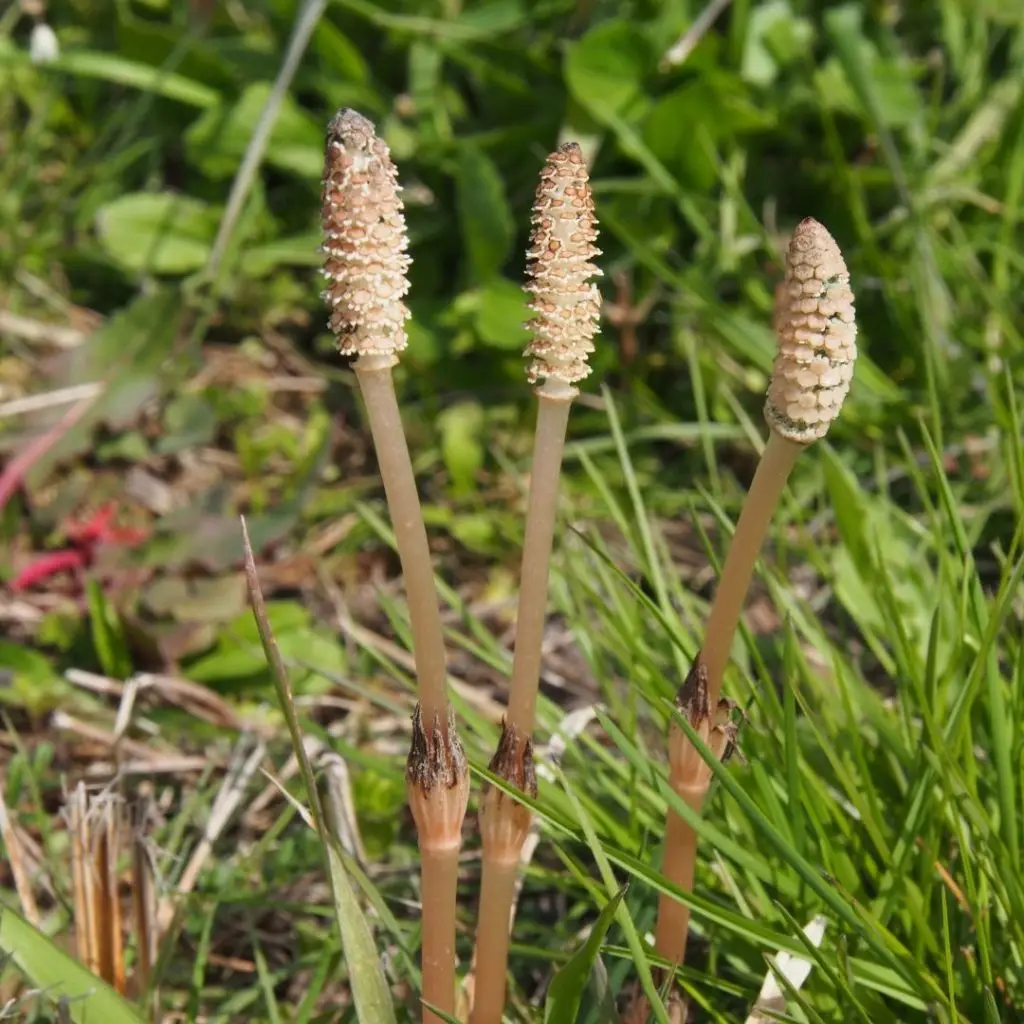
(365, 240)
(817, 336)
(565, 302)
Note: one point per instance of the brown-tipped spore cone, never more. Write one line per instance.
(565, 302)
(817, 336)
(365, 240)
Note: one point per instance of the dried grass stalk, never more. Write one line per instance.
(97, 828)
(19, 867)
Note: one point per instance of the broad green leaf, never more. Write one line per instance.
(484, 216)
(370, 990)
(29, 681)
(339, 52)
(462, 443)
(711, 110)
(89, 1000)
(566, 990)
(501, 314)
(136, 339)
(298, 251)
(605, 70)
(883, 86)
(491, 17)
(117, 70)
(157, 232)
(218, 140)
(775, 37)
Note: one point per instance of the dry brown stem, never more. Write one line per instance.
(96, 828)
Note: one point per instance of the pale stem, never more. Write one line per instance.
(439, 886)
(496, 896)
(403, 500)
(765, 490)
(678, 863)
(542, 510)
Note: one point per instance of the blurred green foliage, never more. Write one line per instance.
(901, 132)
(900, 126)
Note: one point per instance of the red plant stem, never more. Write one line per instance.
(765, 490)
(678, 867)
(12, 476)
(440, 877)
(493, 941)
(49, 565)
(541, 515)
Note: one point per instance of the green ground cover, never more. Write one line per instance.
(881, 668)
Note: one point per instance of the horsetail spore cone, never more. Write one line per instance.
(816, 332)
(817, 337)
(366, 267)
(365, 241)
(566, 306)
(365, 246)
(814, 323)
(565, 301)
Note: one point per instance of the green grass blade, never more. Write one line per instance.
(640, 958)
(121, 71)
(370, 990)
(88, 999)
(566, 990)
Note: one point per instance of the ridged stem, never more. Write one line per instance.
(678, 866)
(692, 782)
(403, 500)
(497, 892)
(765, 491)
(439, 874)
(504, 823)
(542, 511)
(437, 785)
(504, 826)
